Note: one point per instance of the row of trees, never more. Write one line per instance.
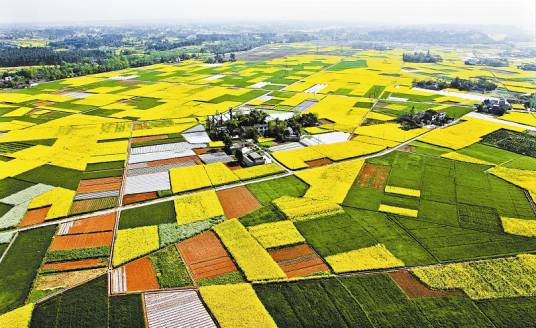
(481, 85)
(13, 57)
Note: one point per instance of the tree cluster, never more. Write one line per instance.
(413, 120)
(245, 126)
(493, 62)
(421, 57)
(495, 107)
(528, 67)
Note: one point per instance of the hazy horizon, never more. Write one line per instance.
(378, 12)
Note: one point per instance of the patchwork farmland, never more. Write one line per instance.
(123, 204)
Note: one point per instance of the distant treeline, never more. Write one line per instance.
(427, 36)
(481, 85)
(12, 57)
(22, 78)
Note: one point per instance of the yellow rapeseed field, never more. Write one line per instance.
(403, 191)
(464, 158)
(398, 210)
(464, 133)
(219, 174)
(135, 242)
(299, 209)
(188, 178)
(522, 178)
(499, 278)
(519, 227)
(236, 306)
(197, 206)
(251, 257)
(60, 200)
(338, 177)
(258, 171)
(18, 318)
(369, 258)
(276, 234)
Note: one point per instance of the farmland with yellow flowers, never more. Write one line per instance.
(259, 193)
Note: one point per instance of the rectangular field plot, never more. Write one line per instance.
(94, 224)
(322, 303)
(135, 276)
(90, 240)
(206, 257)
(237, 202)
(299, 261)
(176, 309)
(387, 306)
(336, 234)
(448, 243)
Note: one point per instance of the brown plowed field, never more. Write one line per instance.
(91, 182)
(140, 275)
(75, 265)
(175, 160)
(201, 151)
(94, 224)
(129, 199)
(205, 256)
(319, 162)
(148, 138)
(34, 216)
(374, 176)
(96, 185)
(298, 261)
(87, 240)
(237, 202)
(413, 288)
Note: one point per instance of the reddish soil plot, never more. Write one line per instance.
(174, 161)
(134, 198)
(87, 240)
(75, 265)
(140, 275)
(237, 202)
(201, 151)
(96, 185)
(319, 162)
(148, 138)
(414, 288)
(374, 176)
(205, 256)
(298, 261)
(34, 216)
(94, 224)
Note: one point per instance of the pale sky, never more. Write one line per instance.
(520, 13)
